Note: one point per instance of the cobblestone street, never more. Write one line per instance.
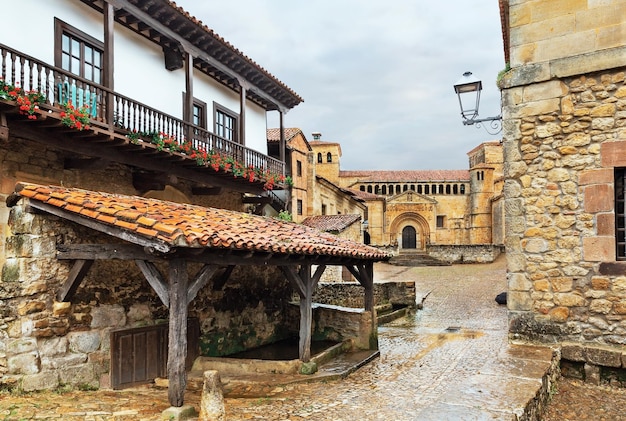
(443, 364)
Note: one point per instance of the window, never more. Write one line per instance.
(362, 188)
(419, 188)
(323, 209)
(319, 158)
(620, 213)
(198, 116)
(299, 168)
(78, 52)
(440, 221)
(329, 157)
(299, 206)
(226, 123)
(462, 188)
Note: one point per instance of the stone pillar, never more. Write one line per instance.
(212, 401)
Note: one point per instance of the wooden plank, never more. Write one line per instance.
(177, 338)
(317, 275)
(74, 278)
(155, 279)
(103, 252)
(202, 277)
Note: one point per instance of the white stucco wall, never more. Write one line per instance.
(139, 71)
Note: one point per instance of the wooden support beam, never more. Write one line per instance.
(155, 279)
(306, 314)
(202, 277)
(219, 282)
(177, 339)
(292, 276)
(75, 277)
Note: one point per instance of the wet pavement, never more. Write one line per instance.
(451, 361)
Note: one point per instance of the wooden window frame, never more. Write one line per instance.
(220, 109)
(299, 168)
(60, 28)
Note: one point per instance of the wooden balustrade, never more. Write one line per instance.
(126, 115)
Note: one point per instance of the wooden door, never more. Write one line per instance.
(139, 355)
(409, 238)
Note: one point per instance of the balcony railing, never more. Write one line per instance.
(115, 112)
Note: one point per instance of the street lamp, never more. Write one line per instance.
(468, 90)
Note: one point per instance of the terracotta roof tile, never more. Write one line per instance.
(336, 223)
(185, 225)
(407, 176)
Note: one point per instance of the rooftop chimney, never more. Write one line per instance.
(316, 135)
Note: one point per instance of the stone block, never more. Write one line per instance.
(598, 249)
(598, 198)
(84, 342)
(573, 352)
(519, 301)
(24, 363)
(53, 346)
(83, 374)
(559, 314)
(613, 154)
(605, 224)
(41, 381)
(63, 361)
(212, 400)
(519, 282)
(22, 345)
(108, 316)
(181, 413)
(600, 306)
(568, 299)
(592, 374)
(603, 357)
(600, 283)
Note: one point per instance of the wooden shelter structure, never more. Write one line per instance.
(177, 234)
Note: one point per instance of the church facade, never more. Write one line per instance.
(424, 210)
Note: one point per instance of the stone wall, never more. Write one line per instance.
(466, 254)
(352, 294)
(563, 139)
(45, 343)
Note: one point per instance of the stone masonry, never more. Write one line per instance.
(561, 147)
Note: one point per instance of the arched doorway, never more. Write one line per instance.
(409, 237)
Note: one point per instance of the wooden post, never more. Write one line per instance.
(306, 313)
(177, 339)
(368, 272)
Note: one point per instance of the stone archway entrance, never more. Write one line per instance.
(410, 231)
(409, 237)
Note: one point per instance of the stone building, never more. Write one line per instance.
(103, 246)
(456, 215)
(564, 135)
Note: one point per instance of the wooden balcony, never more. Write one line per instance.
(127, 131)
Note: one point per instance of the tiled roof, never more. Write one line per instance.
(407, 176)
(273, 135)
(185, 225)
(328, 223)
(228, 45)
(363, 194)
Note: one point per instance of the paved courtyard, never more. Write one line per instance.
(451, 361)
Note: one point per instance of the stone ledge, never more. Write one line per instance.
(596, 355)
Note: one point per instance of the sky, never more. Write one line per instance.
(376, 76)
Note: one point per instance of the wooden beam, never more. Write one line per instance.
(155, 279)
(177, 340)
(292, 276)
(75, 277)
(98, 226)
(306, 314)
(202, 277)
(218, 283)
(103, 252)
(317, 275)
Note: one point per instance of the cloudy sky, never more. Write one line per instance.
(375, 76)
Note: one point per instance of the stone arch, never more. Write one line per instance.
(415, 220)
(169, 193)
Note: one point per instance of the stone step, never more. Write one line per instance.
(416, 259)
